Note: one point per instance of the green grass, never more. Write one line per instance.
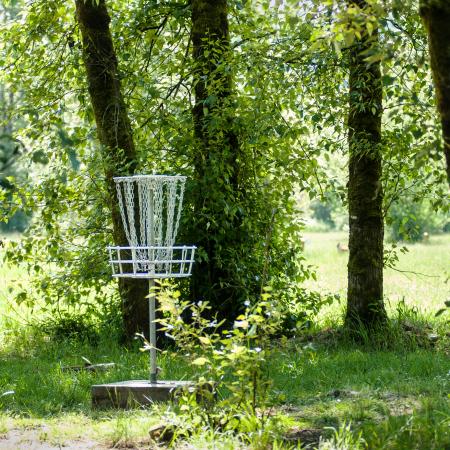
(420, 278)
(395, 394)
(377, 390)
(43, 394)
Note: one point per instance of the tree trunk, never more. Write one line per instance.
(365, 305)
(115, 136)
(217, 188)
(436, 18)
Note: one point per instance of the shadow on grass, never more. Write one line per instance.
(33, 384)
(396, 396)
(427, 428)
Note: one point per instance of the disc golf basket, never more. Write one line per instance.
(150, 208)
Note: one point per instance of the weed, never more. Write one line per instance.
(344, 439)
(69, 326)
(120, 435)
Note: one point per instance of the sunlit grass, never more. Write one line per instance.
(420, 278)
(317, 387)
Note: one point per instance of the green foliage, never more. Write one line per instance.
(322, 212)
(410, 218)
(330, 209)
(233, 381)
(391, 255)
(65, 246)
(12, 156)
(287, 64)
(66, 257)
(299, 309)
(70, 327)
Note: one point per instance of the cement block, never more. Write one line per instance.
(135, 393)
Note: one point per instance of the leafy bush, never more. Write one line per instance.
(297, 313)
(322, 212)
(68, 326)
(410, 219)
(330, 211)
(233, 361)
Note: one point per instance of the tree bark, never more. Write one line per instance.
(436, 18)
(365, 306)
(115, 136)
(217, 184)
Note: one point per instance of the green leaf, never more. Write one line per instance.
(200, 361)
(39, 156)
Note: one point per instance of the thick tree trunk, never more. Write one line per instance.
(115, 136)
(217, 188)
(365, 267)
(436, 17)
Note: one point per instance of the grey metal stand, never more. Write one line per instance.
(152, 336)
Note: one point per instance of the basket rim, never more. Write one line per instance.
(152, 247)
(149, 177)
(147, 275)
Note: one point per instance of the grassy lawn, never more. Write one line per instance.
(395, 396)
(421, 277)
(379, 390)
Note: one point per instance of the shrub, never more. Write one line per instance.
(67, 326)
(410, 219)
(231, 361)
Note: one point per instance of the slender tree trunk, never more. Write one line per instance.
(217, 185)
(436, 18)
(365, 267)
(115, 136)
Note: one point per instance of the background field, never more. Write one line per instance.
(421, 277)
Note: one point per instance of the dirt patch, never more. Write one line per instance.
(399, 405)
(37, 439)
(307, 437)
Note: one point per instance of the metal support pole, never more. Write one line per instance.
(152, 337)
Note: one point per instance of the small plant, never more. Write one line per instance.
(120, 434)
(344, 439)
(3, 426)
(232, 364)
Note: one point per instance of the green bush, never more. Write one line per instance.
(330, 211)
(232, 366)
(321, 211)
(67, 326)
(409, 220)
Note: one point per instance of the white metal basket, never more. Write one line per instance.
(143, 262)
(150, 208)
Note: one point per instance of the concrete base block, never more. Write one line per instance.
(135, 393)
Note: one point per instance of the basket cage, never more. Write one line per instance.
(150, 208)
(142, 262)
